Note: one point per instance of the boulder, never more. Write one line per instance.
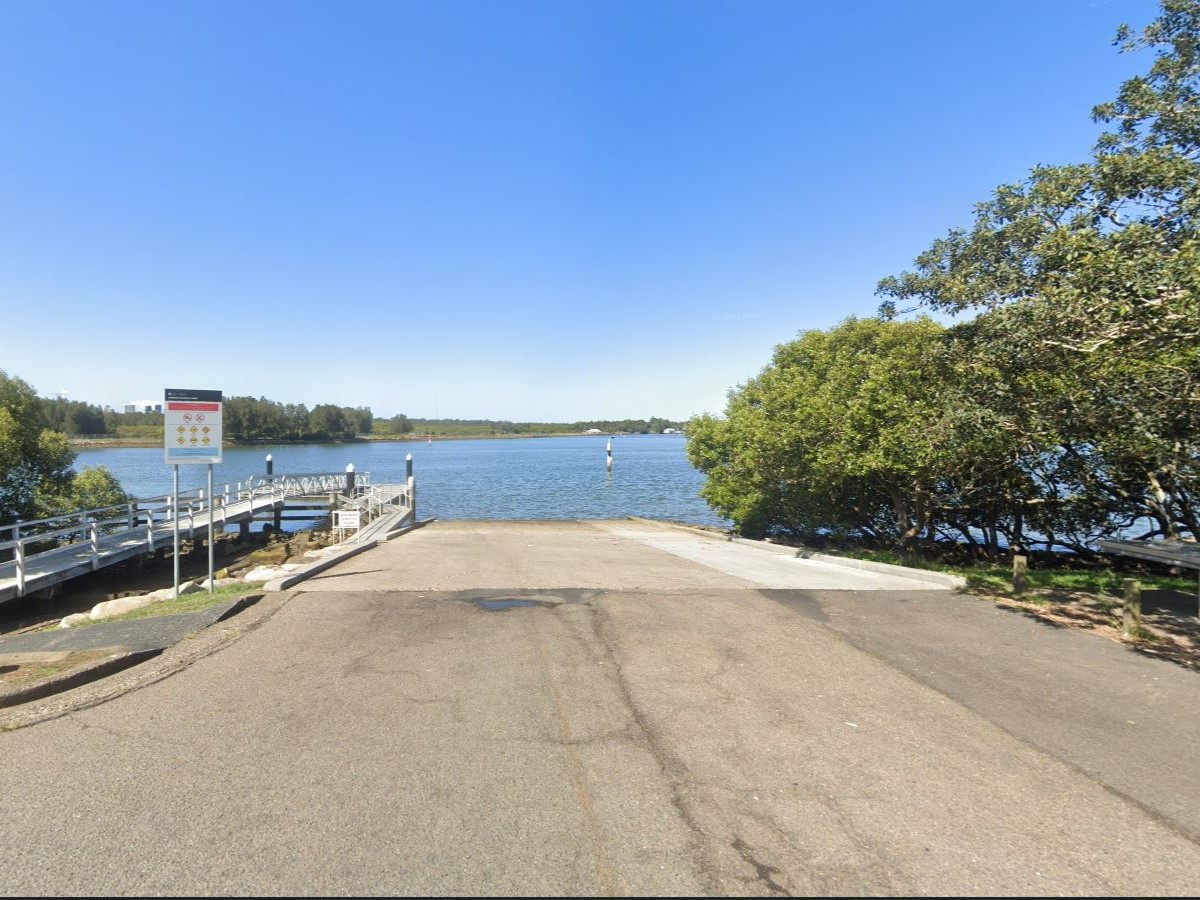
(74, 619)
(263, 573)
(116, 607)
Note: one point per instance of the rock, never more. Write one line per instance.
(189, 587)
(116, 607)
(74, 619)
(289, 567)
(219, 583)
(263, 573)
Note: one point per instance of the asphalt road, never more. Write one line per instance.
(569, 708)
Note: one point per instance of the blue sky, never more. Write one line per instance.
(532, 211)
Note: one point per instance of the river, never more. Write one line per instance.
(509, 478)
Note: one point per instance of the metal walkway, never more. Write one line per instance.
(40, 554)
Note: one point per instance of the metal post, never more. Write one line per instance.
(609, 450)
(349, 479)
(19, 553)
(132, 520)
(94, 543)
(277, 518)
(211, 536)
(175, 528)
(410, 485)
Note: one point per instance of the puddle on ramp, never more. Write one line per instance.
(502, 605)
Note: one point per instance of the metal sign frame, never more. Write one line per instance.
(192, 430)
(192, 434)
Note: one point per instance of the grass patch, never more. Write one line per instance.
(188, 603)
(997, 577)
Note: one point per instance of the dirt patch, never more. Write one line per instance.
(19, 670)
(1170, 628)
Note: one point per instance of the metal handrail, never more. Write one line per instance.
(150, 521)
(160, 510)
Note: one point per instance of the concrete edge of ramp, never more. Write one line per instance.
(117, 661)
(927, 575)
(294, 578)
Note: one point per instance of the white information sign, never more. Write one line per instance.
(347, 518)
(192, 426)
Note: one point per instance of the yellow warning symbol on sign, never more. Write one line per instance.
(205, 441)
(192, 441)
(179, 440)
(180, 429)
(206, 429)
(193, 429)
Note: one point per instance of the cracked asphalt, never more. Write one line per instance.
(588, 708)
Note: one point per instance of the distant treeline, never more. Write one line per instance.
(463, 427)
(243, 419)
(259, 419)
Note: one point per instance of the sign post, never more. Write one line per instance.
(192, 436)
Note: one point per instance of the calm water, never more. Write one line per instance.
(526, 478)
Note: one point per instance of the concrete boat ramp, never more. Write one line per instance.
(567, 708)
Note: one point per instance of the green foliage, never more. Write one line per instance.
(1086, 283)
(36, 478)
(1067, 408)
(848, 431)
(396, 425)
(35, 462)
(95, 488)
(72, 416)
(251, 419)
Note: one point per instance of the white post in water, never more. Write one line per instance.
(410, 485)
(609, 464)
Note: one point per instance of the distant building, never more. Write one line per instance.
(145, 406)
(593, 431)
(670, 431)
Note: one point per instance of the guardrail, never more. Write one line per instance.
(40, 538)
